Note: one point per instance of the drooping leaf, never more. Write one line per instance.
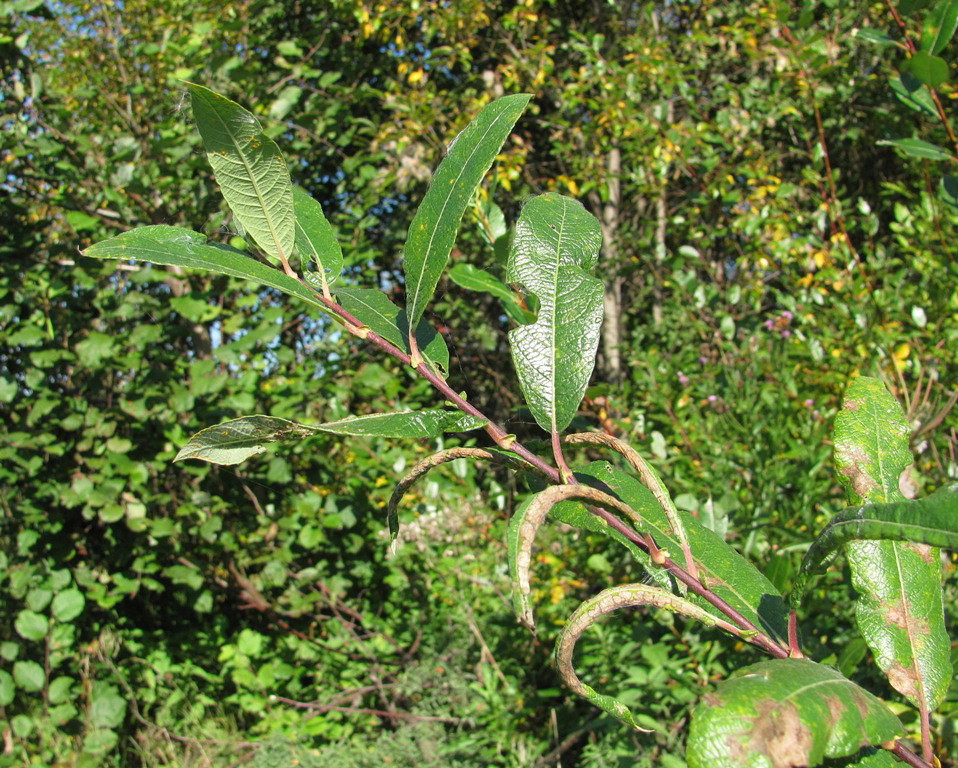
(474, 279)
(918, 148)
(913, 93)
(612, 599)
(932, 520)
(899, 606)
(185, 248)
(250, 170)
(556, 242)
(315, 239)
(940, 24)
(434, 227)
(374, 310)
(720, 567)
(786, 712)
(929, 70)
(234, 441)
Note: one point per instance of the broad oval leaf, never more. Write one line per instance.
(433, 230)
(174, 246)
(899, 607)
(556, 241)
(930, 70)
(234, 441)
(250, 170)
(786, 712)
(374, 310)
(315, 239)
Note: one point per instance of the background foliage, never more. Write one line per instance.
(761, 247)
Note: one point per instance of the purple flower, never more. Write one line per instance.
(683, 379)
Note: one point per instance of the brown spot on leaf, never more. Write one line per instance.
(852, 460)
(779, 734)
(903, 680)
(908, 483)
(922, 550)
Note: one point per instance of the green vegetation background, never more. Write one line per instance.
(761, 250)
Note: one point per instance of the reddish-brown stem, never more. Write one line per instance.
(508, 442)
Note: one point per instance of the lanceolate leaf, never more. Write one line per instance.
(940, 25)
(612, 599)
(250, 170)
(720, 567)
(315, 239)
(433, 229)
(786, 712)
(912, 92)
(375, 311)
(932, 520)
(178, 247)
(919, 148)
(899, 605)
(234, 441)
(556, 241)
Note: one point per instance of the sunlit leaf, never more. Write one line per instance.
(556, 242)
(315, 239)
(434, 227)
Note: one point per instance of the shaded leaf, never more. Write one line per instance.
(434, 227)
(786, 712)
(185, 248)
(474, 279)
(929, 70)
(912, 92)
(315, 239)
(948, 189)
(899, 606)
(250, 170)
(918, 148)
(375, 311)
(556, 241)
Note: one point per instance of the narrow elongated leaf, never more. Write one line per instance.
(556, 241)
(375, 311)
(932, 520)
(434, 227)
(786, 712)
(918, 148)
(315, 239)
(612, 599)
(939, 27)
(719, 566)
(899, 606)
(250, 170)
(178, 247)
(234, 441)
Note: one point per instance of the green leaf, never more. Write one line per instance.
(940, 24)
(556, 241)
(720, 567)
(374, 310)
(948, 190)
(786, 712)
(930, 70)
(913, 93)
(899, 606)
(315, 239)
(433, 230)
(185, 248)
(7, 688)
(874, 36)
(612, 599)
(918, 148)
(234, 441)
(28, 675)
(67, 605)
(107, 707)
(31, 625)
(474, 279)
(250, 170)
